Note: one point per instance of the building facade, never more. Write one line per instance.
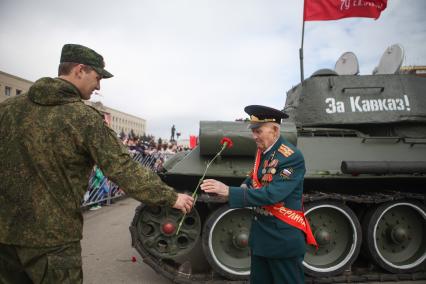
(415, 69)
(120, 121)
(11, 86)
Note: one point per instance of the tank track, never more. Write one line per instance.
(365, 275)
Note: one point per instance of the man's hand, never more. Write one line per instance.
(215, 186)
(184, 203)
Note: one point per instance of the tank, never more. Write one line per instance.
(364, 142)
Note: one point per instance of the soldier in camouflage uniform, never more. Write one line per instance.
(49, 143)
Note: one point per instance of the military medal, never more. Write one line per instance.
(269, 169)
(267, 178)
(273, 163)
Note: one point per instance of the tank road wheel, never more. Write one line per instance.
(156, 230)
(395, 235)
(338, 234)
(225, 242)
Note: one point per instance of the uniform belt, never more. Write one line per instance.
(261, 211)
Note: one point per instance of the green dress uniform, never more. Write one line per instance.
(49, 142)
(277, 248)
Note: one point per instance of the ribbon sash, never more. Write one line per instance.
(292, 217)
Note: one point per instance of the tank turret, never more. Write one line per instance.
(377, 105)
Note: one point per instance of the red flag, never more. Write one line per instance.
(192, 141)
(324, 10)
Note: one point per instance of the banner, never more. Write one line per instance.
(325, 10)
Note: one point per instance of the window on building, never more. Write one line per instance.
(18, 92)
(7, 91)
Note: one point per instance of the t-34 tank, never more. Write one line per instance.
(364, 142)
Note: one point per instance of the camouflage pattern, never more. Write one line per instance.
(80, 54)
(49, 142)
(58, 264)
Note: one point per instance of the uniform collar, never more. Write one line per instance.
(53, 91)
(272, 146)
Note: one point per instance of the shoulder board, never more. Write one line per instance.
(285, 150)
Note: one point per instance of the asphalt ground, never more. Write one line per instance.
(107, 252)
(106, 247)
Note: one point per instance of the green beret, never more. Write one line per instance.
(80, 54)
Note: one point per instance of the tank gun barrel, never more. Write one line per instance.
(211, 132)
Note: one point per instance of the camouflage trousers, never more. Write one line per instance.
(59, 264)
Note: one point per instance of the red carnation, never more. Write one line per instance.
(228, 142)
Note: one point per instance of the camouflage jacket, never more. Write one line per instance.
(49, 142)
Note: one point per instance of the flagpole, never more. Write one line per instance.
(301, 47)
(301, 54)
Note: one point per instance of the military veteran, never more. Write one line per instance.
(49, 142)
(274, 188)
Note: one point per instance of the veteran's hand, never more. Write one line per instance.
(215, 186)
(184, 203)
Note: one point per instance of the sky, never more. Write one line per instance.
(182, 61)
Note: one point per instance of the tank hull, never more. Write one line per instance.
(324, 182)
(323, 157)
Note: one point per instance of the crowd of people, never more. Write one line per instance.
(149, 147)
(148, 152)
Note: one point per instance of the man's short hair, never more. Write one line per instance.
(273, 125)
(66, 67)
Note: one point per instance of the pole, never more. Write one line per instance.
(301, 53)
